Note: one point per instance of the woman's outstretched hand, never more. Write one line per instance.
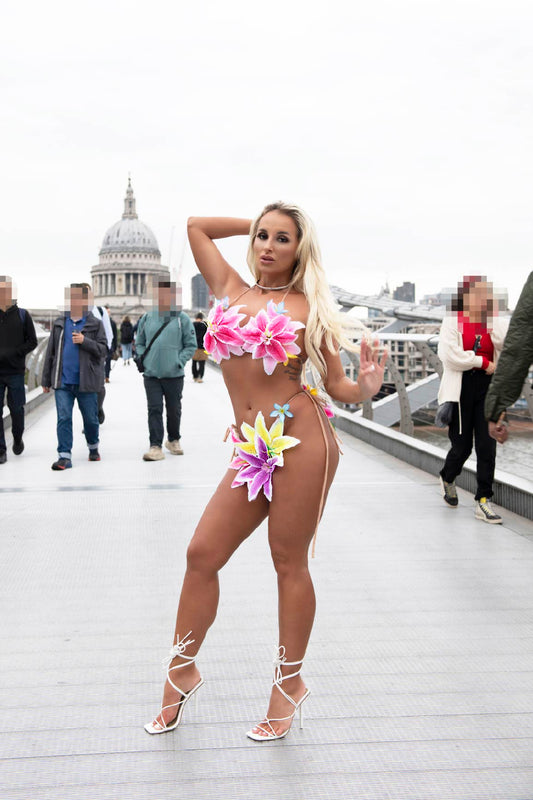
(371, 370)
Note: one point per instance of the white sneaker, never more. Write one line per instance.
(174, 447)
(484, 510)
(154, 454)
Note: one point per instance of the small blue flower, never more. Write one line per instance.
(224, 302)
(281, 411)
(280, 309)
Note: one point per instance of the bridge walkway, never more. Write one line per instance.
(420, 664)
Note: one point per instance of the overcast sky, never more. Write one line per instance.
(404, 128)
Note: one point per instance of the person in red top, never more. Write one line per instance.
(470, 340)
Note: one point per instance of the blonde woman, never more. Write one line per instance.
(285, 450)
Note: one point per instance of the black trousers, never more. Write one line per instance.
(16, 398)
(198, 368)
(156, 389)
(474, 428)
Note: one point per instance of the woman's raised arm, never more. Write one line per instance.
(221, 278)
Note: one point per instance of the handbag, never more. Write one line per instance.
(199, 354)
(444, 414)
(139, 360)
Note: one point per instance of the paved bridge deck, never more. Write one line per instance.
(420, 665)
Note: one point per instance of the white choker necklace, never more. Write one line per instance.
(272, 288)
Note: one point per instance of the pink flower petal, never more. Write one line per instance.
(278, 324)
(269, 364)
(293, 349)
(275, 350)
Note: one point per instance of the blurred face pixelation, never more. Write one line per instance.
(166, 296)
(6, 292)
(275, 246)
(478, 300)
(77, 301)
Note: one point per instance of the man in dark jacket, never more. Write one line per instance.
(513, 365)
(17, 339)
(74, 368)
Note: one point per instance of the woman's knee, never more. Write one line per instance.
(202, 556)
(288, 563)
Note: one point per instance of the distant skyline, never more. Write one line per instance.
(404, 129)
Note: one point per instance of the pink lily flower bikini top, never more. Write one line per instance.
(270, 335)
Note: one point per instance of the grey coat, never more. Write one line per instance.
(93, 352)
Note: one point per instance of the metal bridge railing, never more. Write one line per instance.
(400, 406)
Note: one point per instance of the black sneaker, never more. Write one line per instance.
(3, 456)
(449, 492)
(101, 416)
(62, 463)
(94, 455)
(18, 446)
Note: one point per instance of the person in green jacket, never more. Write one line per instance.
(513, 365)
(164, 363)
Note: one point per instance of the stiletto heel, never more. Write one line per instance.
(177, 650)
(268, 733)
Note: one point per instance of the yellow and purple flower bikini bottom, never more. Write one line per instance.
(259, 450)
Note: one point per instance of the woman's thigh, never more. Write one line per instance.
(301, 486)
(228, 519)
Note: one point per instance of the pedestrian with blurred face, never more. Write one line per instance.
(165, 342)
(200, 356)
(17, 339)
(470, 341)
(74, 368)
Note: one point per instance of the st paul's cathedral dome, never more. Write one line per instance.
(129, 261)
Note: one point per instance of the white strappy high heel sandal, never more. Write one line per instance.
(268, 733)
(177, 650)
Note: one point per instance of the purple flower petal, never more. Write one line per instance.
(254, 486)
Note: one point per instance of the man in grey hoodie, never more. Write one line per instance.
(165, 342)
(74, 368)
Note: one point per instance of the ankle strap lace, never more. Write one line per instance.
(280, 661)
(179, 650)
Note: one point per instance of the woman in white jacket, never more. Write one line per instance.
(471, 339)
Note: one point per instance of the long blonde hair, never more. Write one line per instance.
(325, 324)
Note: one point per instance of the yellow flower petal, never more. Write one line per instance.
(276, 429)
(248, 432)
(284, 443)
(247, 447)
(261, 429)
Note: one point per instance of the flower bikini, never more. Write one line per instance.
(269, 335)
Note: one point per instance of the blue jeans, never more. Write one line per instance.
(88, 405)
(126, 350)
(16, 398)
